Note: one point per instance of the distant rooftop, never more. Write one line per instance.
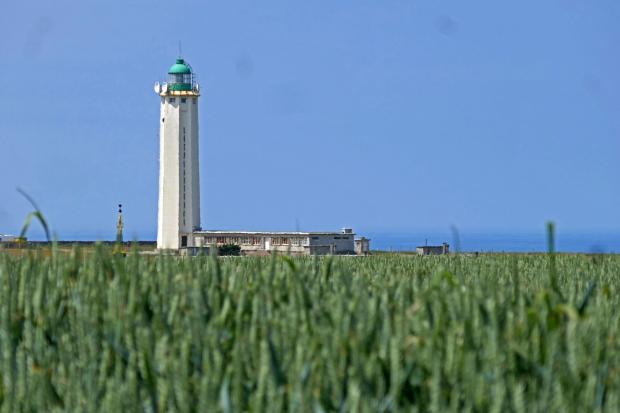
(219, 231)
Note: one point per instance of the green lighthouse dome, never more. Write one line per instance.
(180, 76)
(179, 68)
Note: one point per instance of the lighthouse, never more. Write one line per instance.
(178, 214)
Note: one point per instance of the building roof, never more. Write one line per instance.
(280, 233)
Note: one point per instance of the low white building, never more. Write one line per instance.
(294, 243)
(8, 238)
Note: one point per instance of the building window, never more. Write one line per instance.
(194, 101)
(172, 100)
(315, 237)
(183, 100)
(280, 240)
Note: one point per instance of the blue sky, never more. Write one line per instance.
(379, 115)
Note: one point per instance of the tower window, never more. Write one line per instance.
(172, 100)
(194, 101)
(183, 100)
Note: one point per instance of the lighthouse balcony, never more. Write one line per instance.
(180, 93)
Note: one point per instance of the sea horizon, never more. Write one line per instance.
(498, 241)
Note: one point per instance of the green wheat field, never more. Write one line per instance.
(87, 331)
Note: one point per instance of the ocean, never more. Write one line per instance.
(497, 242)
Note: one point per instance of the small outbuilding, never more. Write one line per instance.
(362, 246)
(442, 249)
(8, 238)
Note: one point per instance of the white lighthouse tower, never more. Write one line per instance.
(179, 190)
